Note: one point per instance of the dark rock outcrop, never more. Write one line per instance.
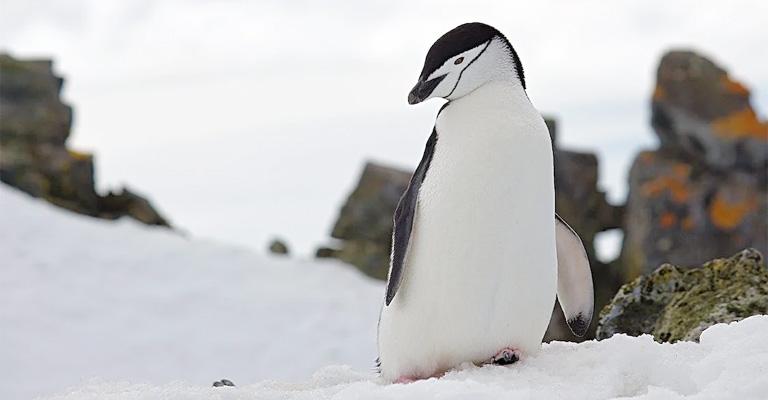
(703, 115)
(365, 222)
(704, 193)
(578, 200)
(34, 127)
(585, 208)
(678, 304)
(116, 205)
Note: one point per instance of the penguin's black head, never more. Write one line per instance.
(464, 59)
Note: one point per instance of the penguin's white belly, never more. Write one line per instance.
(481, 271)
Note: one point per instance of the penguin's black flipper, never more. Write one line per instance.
(404, 216)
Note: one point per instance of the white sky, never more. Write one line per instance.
(245, 120)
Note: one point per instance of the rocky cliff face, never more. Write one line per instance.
(34, 127)
(703, 194)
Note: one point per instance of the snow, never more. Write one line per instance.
(83, 297)
(93, 309)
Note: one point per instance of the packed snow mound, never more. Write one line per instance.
(729, 362)
(82, 297)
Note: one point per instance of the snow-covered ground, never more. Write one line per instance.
(93, 309)
(83, 297)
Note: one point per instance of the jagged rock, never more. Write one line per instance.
(368, 211)
(704, 193)
(699, 112)
(365, 222)
(578, 200)
(33, 153)
(127, 203)
(674, 304)
(585, 208)
(31, 109)
(35, 126)
(681, 215)
(278, 247)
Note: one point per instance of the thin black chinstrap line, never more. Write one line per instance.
(467, 67)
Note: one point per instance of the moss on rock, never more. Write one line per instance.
(674, 304)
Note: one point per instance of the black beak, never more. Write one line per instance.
(423, 89)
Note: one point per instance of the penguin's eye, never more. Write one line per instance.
(458, 61)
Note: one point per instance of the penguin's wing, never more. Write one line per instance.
(404, 215)
(574, 278)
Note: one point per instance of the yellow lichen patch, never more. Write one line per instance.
(733, 87)
(740, 124)
(676, 184)
(667, 220)
(727, 214)
(658, 93)
(687, 223)
(78, 156)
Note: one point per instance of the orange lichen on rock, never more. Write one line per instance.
(687, 223)
(727, 215)
(741, 124)
(733, 87)
(646, 156)
(658, 93)
(667, 220)
(676, 184)
(681, 170)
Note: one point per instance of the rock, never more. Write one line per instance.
(33, 153)
(370, 257)
(585, 208)
(365, 222)
(699, 112)
(674, 304)
(35, 126)
(127, 203)
(578, 200)
(679, 214)
(326, 252)
(278, 247)
(369, 210)
(708, 184)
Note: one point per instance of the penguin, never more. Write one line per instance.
(478, 253)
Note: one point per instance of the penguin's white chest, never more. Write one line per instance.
(481, 270)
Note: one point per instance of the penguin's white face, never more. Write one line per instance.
(464, 59)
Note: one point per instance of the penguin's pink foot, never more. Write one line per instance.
(505, 357)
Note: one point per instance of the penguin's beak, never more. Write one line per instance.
(423, 89)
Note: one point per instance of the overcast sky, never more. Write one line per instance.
(244, 120)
